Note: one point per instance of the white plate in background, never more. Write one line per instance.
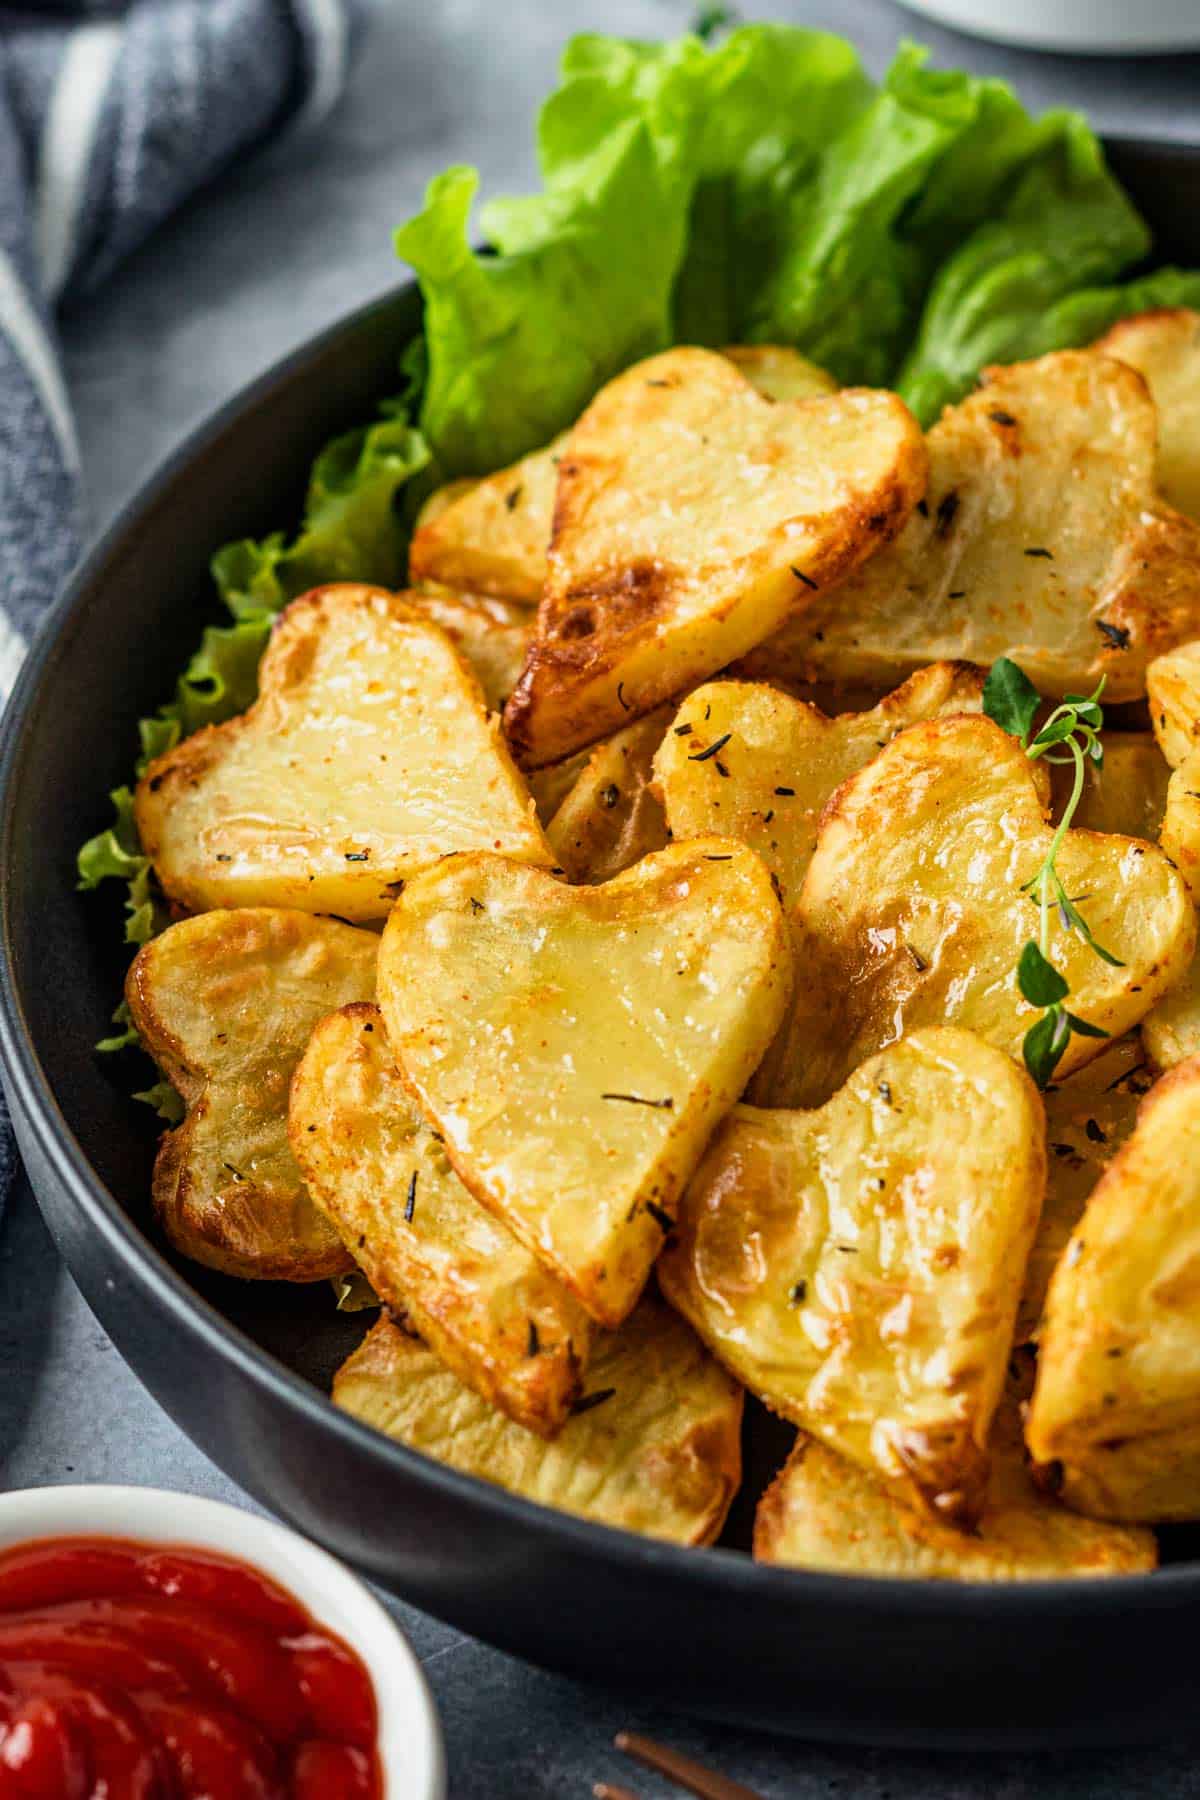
(1098, 27)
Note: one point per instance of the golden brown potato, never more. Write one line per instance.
(690, 516)
(654, 1444)
(551, 785)
(912, 912)
(822, 1512)
(492, 636)
(497, 538)
(611, 818)
(750, 762)
(224, 1004)
(1117, 1400)
(858, 1267)
(1164, 347)
(368, 754)
(480, 1299)
(1171, 1030)
(1043, 537)
(1126, 794)
(576, 1046)
(1173, 687)
(1088, 1118)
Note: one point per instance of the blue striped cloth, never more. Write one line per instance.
(110, 117)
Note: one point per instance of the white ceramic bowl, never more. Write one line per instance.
(1101, 27)
(410, 1740)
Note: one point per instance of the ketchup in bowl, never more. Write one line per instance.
(134, 1671)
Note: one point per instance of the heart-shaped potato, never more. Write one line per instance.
(653, 1446)
(748, 761)
(1173, 689)
(478, 1297)
(492, 636)
(611, 817)
(912, 912)
(859, 1267)
(576, 1046)
(691, 516)
(368, 755)
(225, 1003)
(1117, 1400)
(492, 536)
(1042, 537)
(822, 1512)
(1164, 347)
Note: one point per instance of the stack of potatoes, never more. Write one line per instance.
(609, 947)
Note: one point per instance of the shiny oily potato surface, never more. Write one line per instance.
(576, 1046)
(858, 1267)
(747, 760)
(823, 1512)
(1173, 690)
(1164, 347)
(368, 755)
(654, 1446)
(1125, 794)
(912, 912)
(479, 1298)
(1117, 1399)
(491, 636)
(493, 535)
(611, 817)
(1043, 537)
(224, 1003)
(691, 515)
(1171, 1030)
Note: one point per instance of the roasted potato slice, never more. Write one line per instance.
(822, 1512)
(492, 636)
(858, 1267)
(479, 1298)
(611, 817)
(750, 762)
(1042, 537)
(495, 540)
(912, 912)
(1171, 1030)
(576, 1046)
(1117, 1401)
(224, 1003)
(653, 1446)
(1088, 1118)
(368, 755)
(691, 516)
(1173, 688)
(1125, 794)
(1164, 347)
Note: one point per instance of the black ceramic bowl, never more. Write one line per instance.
(245, 1368)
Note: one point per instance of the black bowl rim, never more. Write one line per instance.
(734, 1572)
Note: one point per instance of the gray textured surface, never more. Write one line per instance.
(280, 249)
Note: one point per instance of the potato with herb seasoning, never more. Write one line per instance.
(859, 1266)
(750, 762)
(1164, 347)
(479, 1298)
(1171, 1030)
(576, 1046)
(653, 1445)
(1042, 537)
(690, 515)
(913, 912)
(1116, 1406)
(368, 754)
(1173, 690)
(611, 816)
(492, 636)
(225, 1003)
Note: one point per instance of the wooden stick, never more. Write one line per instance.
(704, 1783)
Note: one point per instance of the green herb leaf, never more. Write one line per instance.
(1075, 921)
(1055, 731)
(1045, 1043)
(1010, 698)
(1039, 981)
(1082, 1028)
(165, 1101)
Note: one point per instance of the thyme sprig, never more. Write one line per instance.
(1069, 737)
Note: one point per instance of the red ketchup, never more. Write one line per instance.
(134, 1671)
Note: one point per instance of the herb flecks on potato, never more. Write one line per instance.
(576, 1046)
(1116, 1407)
(1173, 690)
(368, 755)
(1171, 1030)
(612, 817)
(691, 516)
(478, 1297)
(224, 1003)
(915, 912)
(1164, 347)
(1042, 537)
(749, 761)
(859, 1266)
(653, 1444)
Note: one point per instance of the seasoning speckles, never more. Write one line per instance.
(588, 1401)
(712, 750)
(667, 1104)
(410, 1205)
